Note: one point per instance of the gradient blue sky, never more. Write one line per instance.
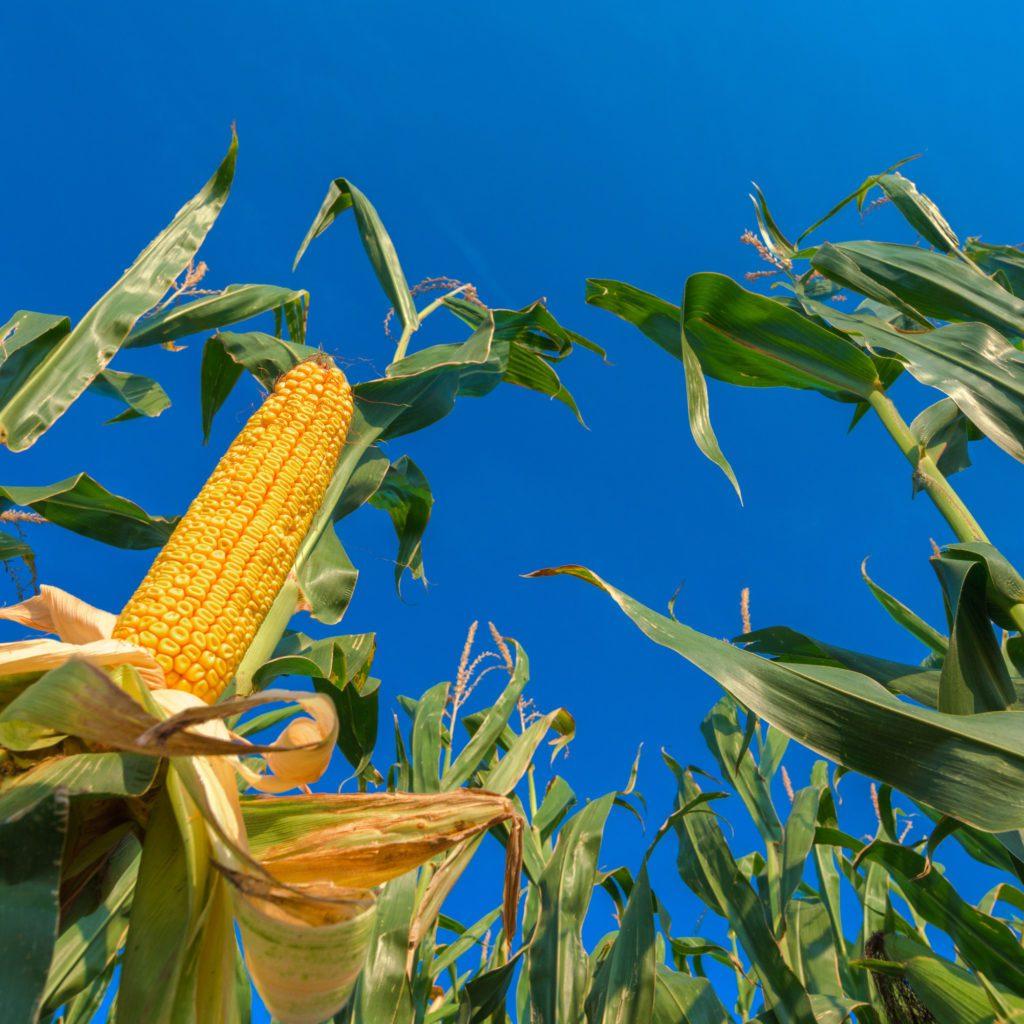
(524, 147)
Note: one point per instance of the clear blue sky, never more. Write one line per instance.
(524, 147)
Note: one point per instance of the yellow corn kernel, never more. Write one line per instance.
(223, 566)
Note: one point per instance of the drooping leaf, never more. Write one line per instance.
(79, 775)
(233, 304)
(979, 370)
(405, 495)
(67, 368)
(920, 212)
(974, 676)
(921, 284)
(341, 196)
(82, 505)
(327, 578)
(944, 433)
(968, 767)
(142, 395)
(533, 327)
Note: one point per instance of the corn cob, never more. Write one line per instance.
(209, 589)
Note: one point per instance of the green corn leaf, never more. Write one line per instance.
(704, 855)
(68, 367)
(921, 284)
(684, 999)
(235, 303)
(83, 506)
(559, 798)
(979, 370)
(327, 578)
(483, 996)
(382, 994)
(903, 616)
(624, 986)
(662, 323)
(405, 495)
(1005, 262)
(770, 231)
(142, 395)
(533, 328)
(974, 677)
(858, 195)
(793, 648)
(87, 948)
(427, 729)
(27, 339)
(79, 775)
(341, 196)
(944, 433)
(969, 767)
(467, 939)
(530, 371)
(160, 922)
(756, 340)
(556, 964)
(919, 211)
(811, 949)
(1004, 586)
(984, 942)
(797, 843)
(84, 1007)
(725, 739)
(31, 846)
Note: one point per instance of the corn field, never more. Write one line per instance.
(169, 850)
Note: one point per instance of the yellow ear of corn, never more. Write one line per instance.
(210, 588)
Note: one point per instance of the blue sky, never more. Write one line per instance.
(525, 147)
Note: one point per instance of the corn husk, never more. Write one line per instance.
(296, 873)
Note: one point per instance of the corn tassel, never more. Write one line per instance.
(209, 589)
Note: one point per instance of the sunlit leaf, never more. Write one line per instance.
(66, 369)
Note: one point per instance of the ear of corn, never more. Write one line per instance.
(209, 589)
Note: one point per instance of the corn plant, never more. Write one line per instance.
(141, 821)
(941, 732)
(819, 925)
(945, 732)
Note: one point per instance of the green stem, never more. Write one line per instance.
(409, 329)
(934, 483)
(929, 476)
